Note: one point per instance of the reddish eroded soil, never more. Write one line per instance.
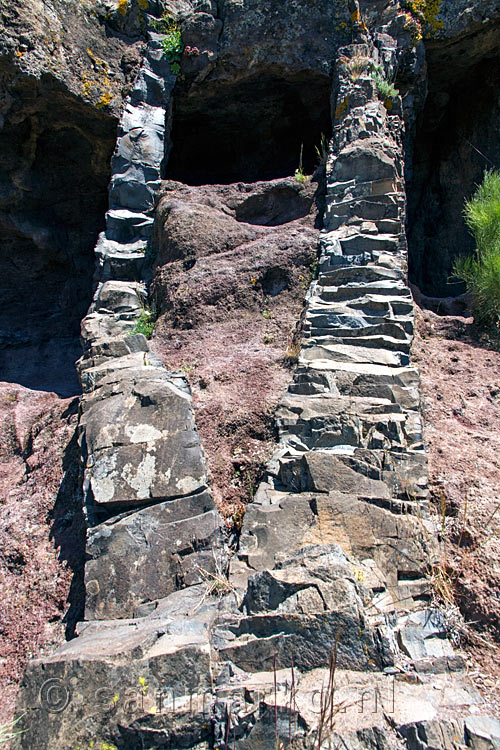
(35, 430)
(234, 265)
(461, 389)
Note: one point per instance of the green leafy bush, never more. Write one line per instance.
(145, 323)
(481, 272)
(172, 44)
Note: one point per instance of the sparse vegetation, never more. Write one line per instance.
(145, 323)
(8, 731)
(328, 707)
(217, 583)
(187, 367)
(357, 65)
(481, 272)
(172, 44)
(385, 88)
(322, 150)
(292, 353)
(300, 175)
(425, 15)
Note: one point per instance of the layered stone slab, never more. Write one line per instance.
(348, 484)
(151, 553)
(140, 441)
(123, 682)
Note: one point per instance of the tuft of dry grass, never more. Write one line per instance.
(357, 65)
(8, 731)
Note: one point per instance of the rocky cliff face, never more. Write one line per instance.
(63, 74)
(192, 638)
(456, 140)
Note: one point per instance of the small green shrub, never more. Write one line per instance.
(481, 272)
(386, 89)
(172, 44)
(145, 323)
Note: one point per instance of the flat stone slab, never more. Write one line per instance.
(141, 442)
(151, 553)
(123, 681)
(354, 354)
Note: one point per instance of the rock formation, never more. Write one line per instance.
(321, 629)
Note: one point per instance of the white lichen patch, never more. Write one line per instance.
(187, 485)
(142, 433)
(107, 436)
(102, 478)
(103, 489)
(141, 477)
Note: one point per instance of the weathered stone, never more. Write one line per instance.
(119, 297)
(362, 162)
(401, 548)
(111, 681)
(150, 553)
(482, 733)
(120, 262)
(141, 443)
(256, 643)
(126, 226)
(351, 455)
(354, 354)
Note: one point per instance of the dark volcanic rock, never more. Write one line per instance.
(61, 87)
(141, 442)
(149, 554)
(106, 686)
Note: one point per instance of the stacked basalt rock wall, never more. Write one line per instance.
(336, 547)
(152, 524)
(325, 632)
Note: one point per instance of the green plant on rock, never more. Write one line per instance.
(300, 175)
(145, 323)
(172, 44)
(322, 150)
(481, 272)
(385, 89)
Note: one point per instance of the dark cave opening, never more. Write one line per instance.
(54, 174)
(249, 130)
(457, 138)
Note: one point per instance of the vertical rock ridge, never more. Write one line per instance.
(336, 548)
(154, 535)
